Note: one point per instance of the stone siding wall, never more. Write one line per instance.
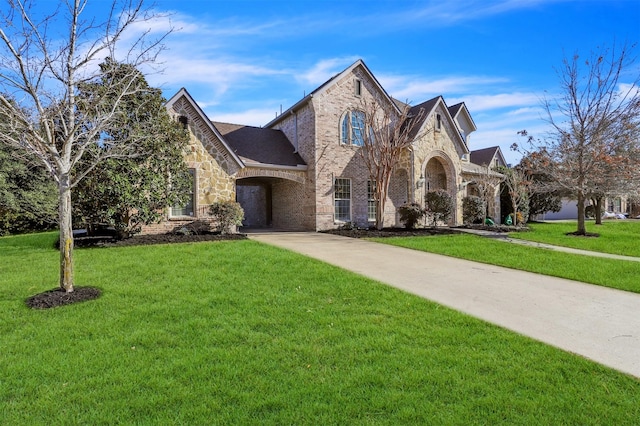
(441, 145)
(214, 172)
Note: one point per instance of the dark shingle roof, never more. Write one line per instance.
(257, 144)
(426, 107)
(483, 156)
(454, 109)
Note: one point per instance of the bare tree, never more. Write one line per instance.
(388, 133)
(41, 73)
(486, 182)
(594, 147)
(516, 182)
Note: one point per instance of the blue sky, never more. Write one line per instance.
(242, 60)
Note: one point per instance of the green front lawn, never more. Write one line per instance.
(616, 236)
(243, 333)
(620, 274)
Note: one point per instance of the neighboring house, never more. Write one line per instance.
(481, 167)
(303, 171)
(617, 205)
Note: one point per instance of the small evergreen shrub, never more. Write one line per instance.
(226, 214)
(473, 209)
(410, 214)
(439, 204)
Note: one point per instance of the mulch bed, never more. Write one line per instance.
(144, 240)
(403, 232)
(59, 297)
(390, 232)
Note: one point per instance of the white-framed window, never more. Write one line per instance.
(358, 87)
(187, 209)
(352, 128)
(371, 200)
(342, 200)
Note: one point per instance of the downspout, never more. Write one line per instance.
(413, 178)
(295, 125)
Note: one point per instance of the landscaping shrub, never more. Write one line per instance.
(227, 214)
(519, 216)
(410, 214)
(473, 209)
(439, 204)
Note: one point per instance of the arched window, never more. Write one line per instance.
(352, 128)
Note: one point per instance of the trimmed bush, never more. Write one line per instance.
(227, 214)
(439, 204)
(410, 214)
(473, 209)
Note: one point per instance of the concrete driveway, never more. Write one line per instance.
(598, 323)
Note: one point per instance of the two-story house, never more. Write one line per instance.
(303, 171)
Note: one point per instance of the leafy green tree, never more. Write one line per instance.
(46, 56)
(28, 200)
(129, 192)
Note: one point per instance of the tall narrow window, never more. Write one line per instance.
(188, 208)
(358, 87)
(357, 128)
(352, 128)
(342, 200)
(438, 122)
(371, 200)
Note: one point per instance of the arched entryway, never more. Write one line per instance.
(436, 175)
(271, 202)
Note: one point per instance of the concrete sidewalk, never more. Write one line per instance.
(503, 236)
(596, 322)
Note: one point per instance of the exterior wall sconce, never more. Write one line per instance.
(420, 182)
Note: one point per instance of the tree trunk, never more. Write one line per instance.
(379, 214)
(66, 236)
(582, 230)
(597, 210)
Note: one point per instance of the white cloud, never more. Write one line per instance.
(252, 117)
(421, 88)
(477, 103)
(325, 69)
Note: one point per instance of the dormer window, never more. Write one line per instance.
(352, 128)
(358, 87)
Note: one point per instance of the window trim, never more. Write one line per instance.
(193, 201)
(371, 200)
(346, 181)
(349, 127)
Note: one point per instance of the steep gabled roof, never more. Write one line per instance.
(429, 107)
(182, 93)
(260, 145)
(485, 156)
(461, 109)
(327, 84)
